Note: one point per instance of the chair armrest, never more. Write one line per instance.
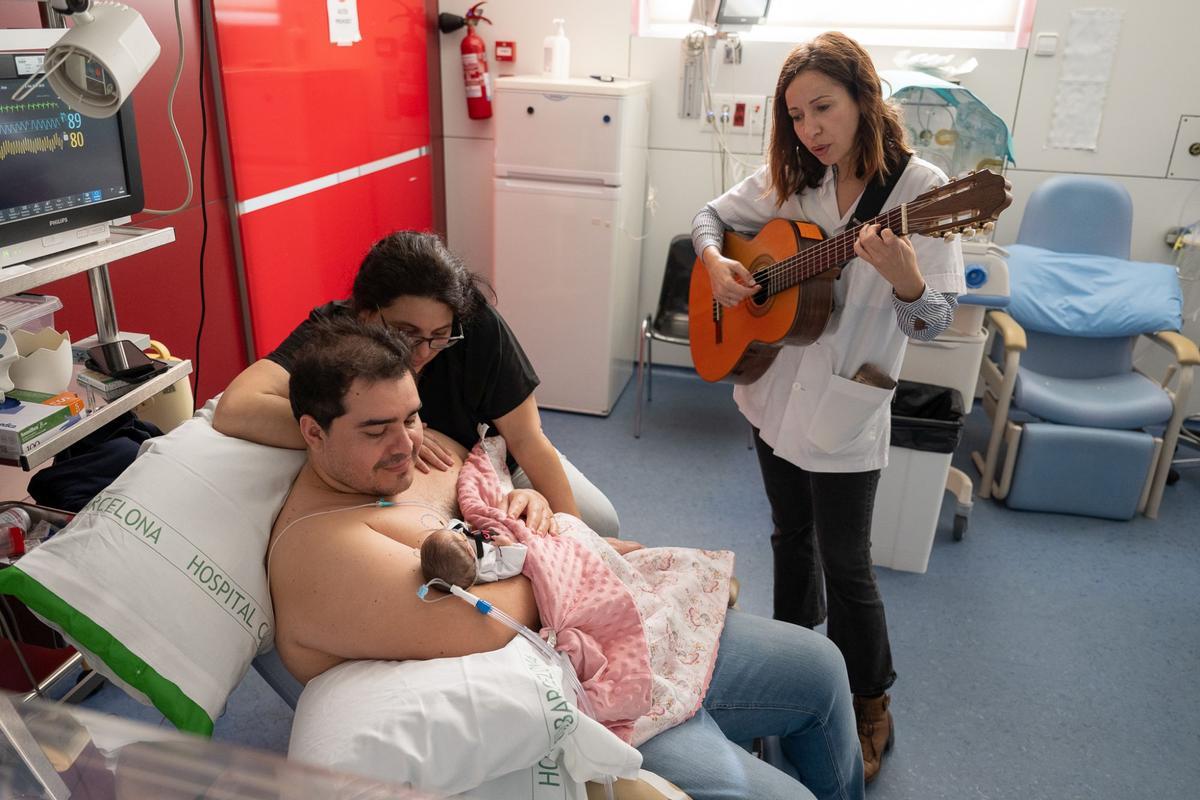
(1185, 350)
(1010, 330)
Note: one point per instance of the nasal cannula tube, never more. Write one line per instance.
(539, 644)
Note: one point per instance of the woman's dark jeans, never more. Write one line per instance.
(822, 545)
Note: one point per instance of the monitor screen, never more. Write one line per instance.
(60, 170)
(742, 12)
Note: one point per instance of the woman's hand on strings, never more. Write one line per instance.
(893, 257)
(731, 282)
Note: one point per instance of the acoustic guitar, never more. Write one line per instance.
(795, 265)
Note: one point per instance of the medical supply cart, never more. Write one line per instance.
(92, 259)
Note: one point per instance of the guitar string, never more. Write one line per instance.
(801, 262)
(841, 245)
(807, 257)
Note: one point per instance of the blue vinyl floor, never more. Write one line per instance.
(1043, 657)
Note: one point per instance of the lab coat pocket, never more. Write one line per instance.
(847, 411)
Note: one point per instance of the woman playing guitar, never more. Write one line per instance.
(821, 411)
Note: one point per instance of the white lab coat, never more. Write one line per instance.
(806, 406)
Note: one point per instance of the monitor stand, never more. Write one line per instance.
(24, 252)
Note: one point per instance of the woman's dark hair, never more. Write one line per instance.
(881, 140)
(337, 351)
(416, 264)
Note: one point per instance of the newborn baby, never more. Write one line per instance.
(462, 557)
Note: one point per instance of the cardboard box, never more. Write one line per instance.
(23, 426)
(72, 401)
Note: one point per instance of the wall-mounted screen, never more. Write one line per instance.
(742, 12)
(59, 170)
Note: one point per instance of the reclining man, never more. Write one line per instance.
(344, 570)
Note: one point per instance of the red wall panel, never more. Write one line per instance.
(308, 249)
(299, 108)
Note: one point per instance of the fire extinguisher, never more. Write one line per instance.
(474, 60)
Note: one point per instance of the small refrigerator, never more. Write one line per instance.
(569, 193)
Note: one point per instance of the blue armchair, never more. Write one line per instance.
(1075, 428)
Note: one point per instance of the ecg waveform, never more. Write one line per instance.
(37, 144)
(30, 125)
(5, 109)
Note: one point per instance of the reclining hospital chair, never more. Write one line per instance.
(1076, 428)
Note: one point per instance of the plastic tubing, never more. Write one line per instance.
(549, 653)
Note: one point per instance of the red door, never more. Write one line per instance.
(329, 146)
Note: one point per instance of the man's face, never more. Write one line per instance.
(370, 449)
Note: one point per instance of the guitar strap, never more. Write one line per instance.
(876, 194)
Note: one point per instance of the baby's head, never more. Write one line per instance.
(449, 555)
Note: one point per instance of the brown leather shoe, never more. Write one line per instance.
(876, 731)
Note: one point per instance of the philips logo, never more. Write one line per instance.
(58, 221)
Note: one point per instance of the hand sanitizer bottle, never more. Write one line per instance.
(557, 62)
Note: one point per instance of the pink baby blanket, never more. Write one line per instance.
(641, 630)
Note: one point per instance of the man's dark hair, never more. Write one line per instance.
(416, 264)
(337, 351)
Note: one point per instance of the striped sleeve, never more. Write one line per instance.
(707, 228)
(928, 316)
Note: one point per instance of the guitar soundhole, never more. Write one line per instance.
(762, 276)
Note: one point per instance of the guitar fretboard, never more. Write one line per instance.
(814, 260)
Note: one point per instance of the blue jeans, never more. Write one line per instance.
(771, 679)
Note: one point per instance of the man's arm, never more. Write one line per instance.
(256, 407)
(350, 592)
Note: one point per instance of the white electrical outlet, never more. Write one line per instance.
(735, 114)
(755, 111)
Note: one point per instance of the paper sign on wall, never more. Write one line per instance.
(1083, 82)
(343, 22)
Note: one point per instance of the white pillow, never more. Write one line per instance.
(160, 580)
(451, 724)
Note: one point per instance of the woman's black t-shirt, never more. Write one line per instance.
(478, 380)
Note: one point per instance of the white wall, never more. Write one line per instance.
(1153, 84)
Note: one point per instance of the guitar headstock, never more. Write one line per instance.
(972, 201)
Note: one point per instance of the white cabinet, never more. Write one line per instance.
(569, 193)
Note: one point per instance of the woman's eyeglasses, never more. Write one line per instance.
(434, 342)
(438, 342)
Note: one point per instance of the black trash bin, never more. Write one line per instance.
(926, 417)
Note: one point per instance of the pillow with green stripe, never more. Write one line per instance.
(159, 581)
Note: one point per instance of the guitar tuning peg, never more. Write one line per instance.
(989, 226)
(968, 233)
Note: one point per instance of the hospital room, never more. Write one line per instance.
(836, 360)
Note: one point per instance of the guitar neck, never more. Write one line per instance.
(786, 273)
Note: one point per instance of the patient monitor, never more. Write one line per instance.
(729, 15)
